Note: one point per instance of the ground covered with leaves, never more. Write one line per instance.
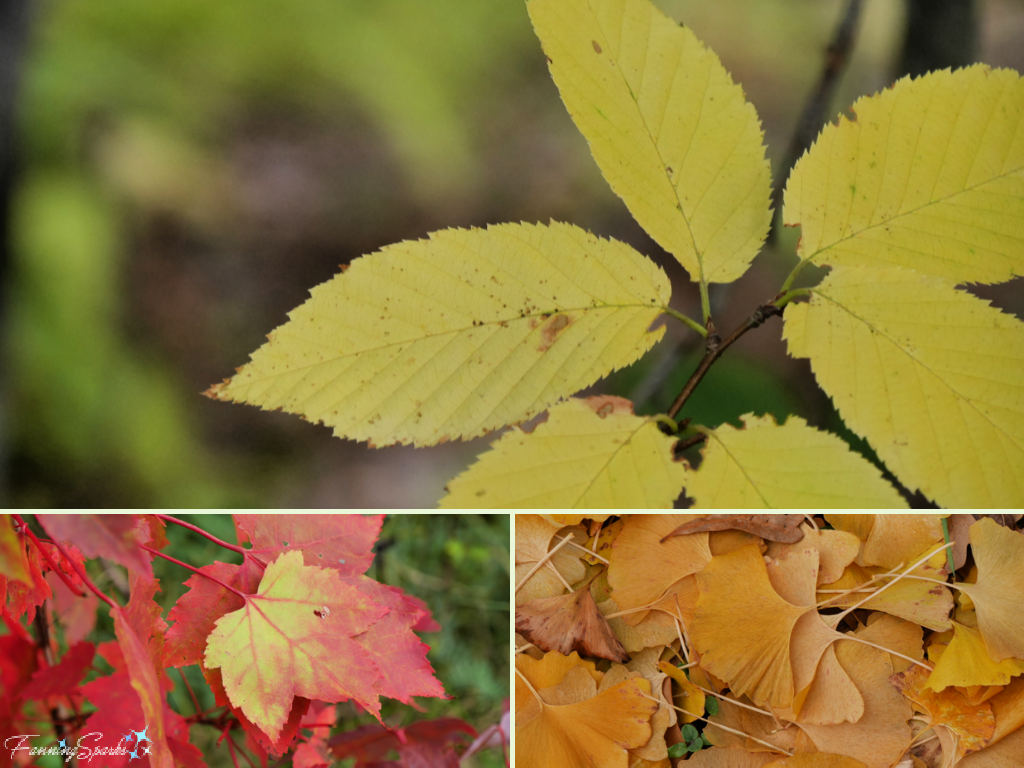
(779, 641)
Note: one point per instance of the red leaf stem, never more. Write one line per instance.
(84, 576)
(46, 556)
(194, 570)
(231, 746)
(195, 701)
(201, 532)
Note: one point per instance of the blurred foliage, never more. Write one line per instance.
(189, 169)
(458, 564)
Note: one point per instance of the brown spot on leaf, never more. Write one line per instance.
(603, 405)
(597, 48)
(552, 330)
(322, 613)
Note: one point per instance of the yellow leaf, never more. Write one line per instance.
(641, 567)
(931, 376)
(431, 340)
(998, 594)
(930, 176)
(965, 662)
(591, 454)
(577, 724)
(673, 135)
(693, 697)
(766, 465)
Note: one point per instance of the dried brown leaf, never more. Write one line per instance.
(569, 623)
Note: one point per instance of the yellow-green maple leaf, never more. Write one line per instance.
(294, 638)
(931, 376)
(673, 135)
(930, 176)
(454, 336)
(591, 454)
(767, 465)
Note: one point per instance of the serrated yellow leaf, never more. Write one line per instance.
(765, 465)
(929, 176)
(454, 336)
(591, 453)
(931, 376)
(673, 135)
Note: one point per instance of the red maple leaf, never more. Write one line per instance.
(119, 713)
(197, 611)
(257, 737)
(115, 537)
(342, 542)
(62, 678)
(139, 630)
(425, 744)
(400, 656)
(24, 598)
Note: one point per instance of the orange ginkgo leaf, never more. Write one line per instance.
(895, 634)
(784, 528)
(911, 599)
(971, 726)
(569, 623)
(641, 568)
(534, 536)
(836, 550)
(998, 593)
(965, 662)
(645, 663)
(742, 627)
(657, 628)
(824, 693)
(578, 724)
(890, 539)
(547, 672)
(1008, 708)
(1004, 754)
(294, 638)
(881, 736)
(756, 628)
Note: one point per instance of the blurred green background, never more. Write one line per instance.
(188, 170)
(458, 564)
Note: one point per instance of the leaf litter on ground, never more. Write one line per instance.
(852, 646)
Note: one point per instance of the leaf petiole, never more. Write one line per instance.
(687, 321)
(787, 296)
(194, 570)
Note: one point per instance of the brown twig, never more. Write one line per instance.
(715, 348)
(837, 56)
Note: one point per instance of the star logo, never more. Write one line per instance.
(139, 737)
